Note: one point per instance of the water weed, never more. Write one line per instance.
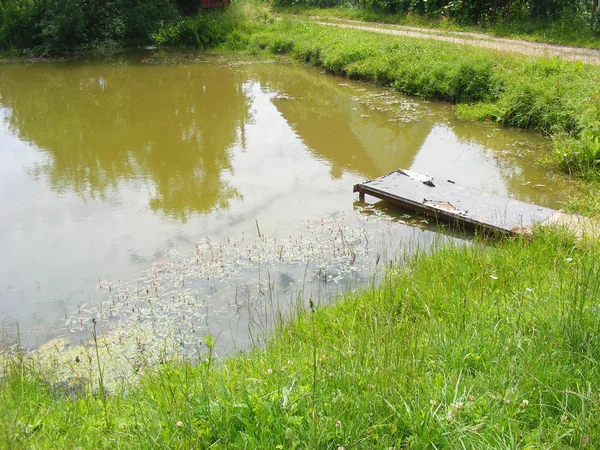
(239, 290)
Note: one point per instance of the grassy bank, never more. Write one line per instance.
(554, 97)
(462, 347)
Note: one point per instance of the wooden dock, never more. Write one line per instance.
(445, 200)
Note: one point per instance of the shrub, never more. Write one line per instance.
(472, 81)
(19, 24)
(52, 27)
(232, 26)
(143, 18)
(204, 30)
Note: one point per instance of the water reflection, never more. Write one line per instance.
(173, 127)
(341, 128)
(372, 132)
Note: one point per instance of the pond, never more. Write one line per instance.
(115, 170)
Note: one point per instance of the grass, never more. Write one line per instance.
(460, 347)
(553, 32)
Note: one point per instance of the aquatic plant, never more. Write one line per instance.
(237, 291)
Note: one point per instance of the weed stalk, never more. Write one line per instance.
(100, 376)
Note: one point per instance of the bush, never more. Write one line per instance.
(473, 81)
(53, 27)
(232, 26)
(204, 30)
(143, 18)
(19, 24)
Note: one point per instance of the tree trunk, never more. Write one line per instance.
(494, 11)
(508, 11)
(593, 19)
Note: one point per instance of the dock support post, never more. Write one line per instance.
(361, 193)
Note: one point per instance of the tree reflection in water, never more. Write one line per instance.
(101, 124)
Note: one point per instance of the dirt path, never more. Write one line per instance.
(586, 55)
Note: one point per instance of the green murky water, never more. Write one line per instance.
(105, 165)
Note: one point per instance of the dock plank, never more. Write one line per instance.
(448, 201)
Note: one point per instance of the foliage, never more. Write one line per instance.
(482, 12)
(200, 31)
(143, 18)
(51, 27)
(211, 28)
(187, 7)
(58, 27)
(468, 346)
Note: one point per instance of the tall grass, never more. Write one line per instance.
(462, 347)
